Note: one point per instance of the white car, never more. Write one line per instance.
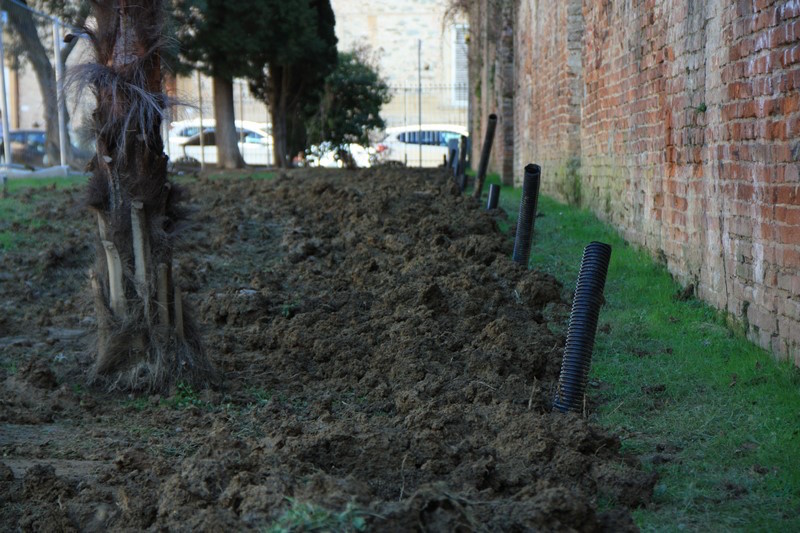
(180, 132)
(325, 156)
(255, 145)
(403, 144)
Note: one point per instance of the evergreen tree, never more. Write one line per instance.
(223, 39)
(351, 103)
(288, 73)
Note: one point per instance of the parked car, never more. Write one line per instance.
(402, 144)
(325, 155)
(28, 148)
(183, 130)
(255, 145)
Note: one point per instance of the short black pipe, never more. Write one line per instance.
(527, 214)
(462, 162)
(486, 151)
(586, 305)
(464, 182)
(494, 196)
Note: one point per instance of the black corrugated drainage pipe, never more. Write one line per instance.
(527, 214)
(582, 328)
(494, 196)
(486, 151)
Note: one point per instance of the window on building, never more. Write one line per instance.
(460, 65)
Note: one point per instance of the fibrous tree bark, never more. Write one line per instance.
(145, 340)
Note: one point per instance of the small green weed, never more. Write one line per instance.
(303, 516)
(288, 310)
(138, 404)
(185, 396)
(260, 395)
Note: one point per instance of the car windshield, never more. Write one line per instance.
(189, 131)
(36, 137)
(253, 137)
(209, 139)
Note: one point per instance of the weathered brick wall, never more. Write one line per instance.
(677, 121)
(491, 53)
(548, 92)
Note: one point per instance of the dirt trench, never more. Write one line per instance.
(379, 351)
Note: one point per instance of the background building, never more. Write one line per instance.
(394, 31)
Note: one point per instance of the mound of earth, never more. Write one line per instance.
(383, 359)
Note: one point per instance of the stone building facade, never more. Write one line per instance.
(393, 30)
(678, 122)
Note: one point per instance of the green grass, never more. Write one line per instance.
(23, 196)
(715, 416)
(302, 516)
(19, 203)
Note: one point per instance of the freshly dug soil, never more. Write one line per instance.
(382, 358)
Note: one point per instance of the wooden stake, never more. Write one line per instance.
(116, 290)
(141, 254)
(163, 294)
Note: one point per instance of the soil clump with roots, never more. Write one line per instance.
(384, 364)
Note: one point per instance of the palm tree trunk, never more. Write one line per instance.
(145, 339)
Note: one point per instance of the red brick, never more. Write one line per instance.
(792, 216)
(789, 235)
(786, 194)
(632, 117)
(791, 103)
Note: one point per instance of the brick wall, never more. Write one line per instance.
(677, 121)
(548, 92)
(492, 73)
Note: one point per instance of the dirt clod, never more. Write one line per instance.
(379, 352)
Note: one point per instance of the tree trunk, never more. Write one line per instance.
(39, 57)
(145, 339)
(279, 97)
(228, 155)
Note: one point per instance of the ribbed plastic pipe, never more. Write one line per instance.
(527, 214)
(582, 328)
(486, 151)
